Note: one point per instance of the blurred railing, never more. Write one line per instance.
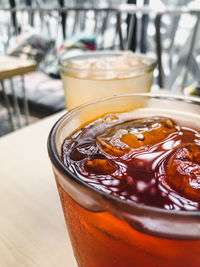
(172, 34)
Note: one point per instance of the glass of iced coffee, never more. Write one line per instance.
(128, 174)
(100, 74)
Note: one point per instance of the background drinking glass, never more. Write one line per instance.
(107, 231)
(99, 74)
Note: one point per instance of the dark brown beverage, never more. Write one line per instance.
(131, 193)
(153, 161)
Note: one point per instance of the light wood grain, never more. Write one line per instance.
(32, 227)
(12, 66)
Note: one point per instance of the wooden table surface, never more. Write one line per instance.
(12, 66)
(32, 227)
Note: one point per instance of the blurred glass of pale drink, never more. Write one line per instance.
(100, 74)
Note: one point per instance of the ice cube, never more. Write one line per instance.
(183, 171)
(82, 151)
(100, 166)
(108, 67)
(123, 137)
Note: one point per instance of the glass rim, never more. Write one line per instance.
(56, 160)
(150, 60)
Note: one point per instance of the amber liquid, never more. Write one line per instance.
(153, 161)
(102, 240)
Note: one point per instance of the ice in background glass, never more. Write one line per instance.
(107, 231)
(95, 75)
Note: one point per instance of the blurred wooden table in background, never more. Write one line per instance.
(9, 68)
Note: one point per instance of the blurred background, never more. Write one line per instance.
(42, 30)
